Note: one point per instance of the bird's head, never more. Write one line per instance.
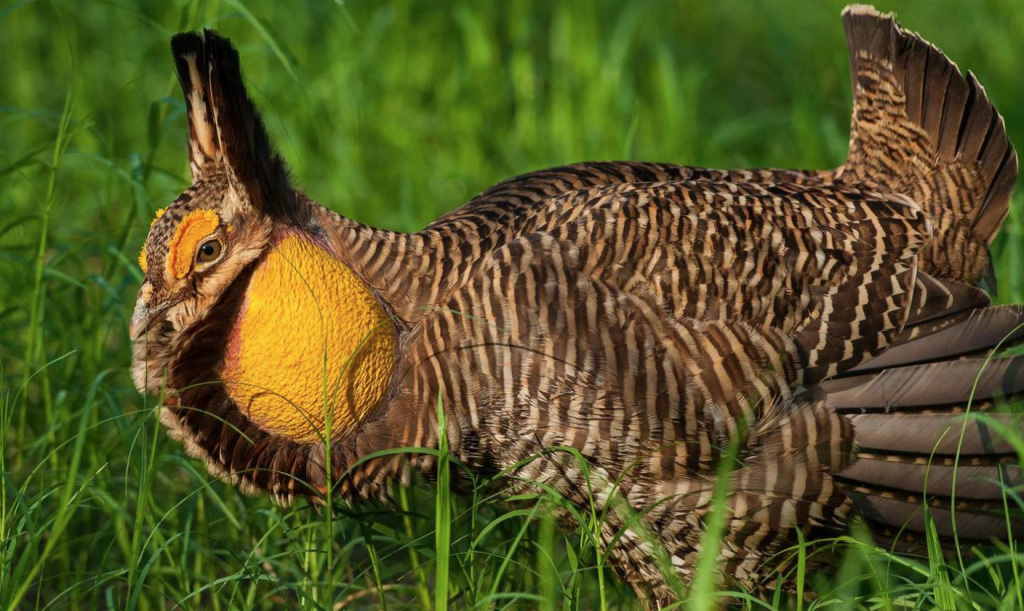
(263, 342)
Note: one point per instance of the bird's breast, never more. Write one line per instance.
(311, 345)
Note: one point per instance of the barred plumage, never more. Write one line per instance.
(829, 324)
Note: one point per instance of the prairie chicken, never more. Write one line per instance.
(832, 326)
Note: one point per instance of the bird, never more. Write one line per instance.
(613, 331)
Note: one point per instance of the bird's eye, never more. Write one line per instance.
(208, 252)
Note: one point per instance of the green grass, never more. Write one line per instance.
(391, 113)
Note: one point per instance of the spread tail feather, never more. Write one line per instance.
(923, 129)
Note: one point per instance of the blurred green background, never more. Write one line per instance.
(391, 113)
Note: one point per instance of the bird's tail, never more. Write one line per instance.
(923, 129)
(930, 415)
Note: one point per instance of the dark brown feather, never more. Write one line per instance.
(208, 64)
(982, 330)
(946, 383)
(935, 434)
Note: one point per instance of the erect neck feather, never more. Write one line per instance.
(311, 345)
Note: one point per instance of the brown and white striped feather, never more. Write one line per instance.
(645, 325)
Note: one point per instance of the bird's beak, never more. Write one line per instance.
(140, 320)
(144, 315)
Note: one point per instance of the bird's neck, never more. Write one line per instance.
(312, 350)
(396, 266)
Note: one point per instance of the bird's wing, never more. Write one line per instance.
(753, 291)
(649, 324)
